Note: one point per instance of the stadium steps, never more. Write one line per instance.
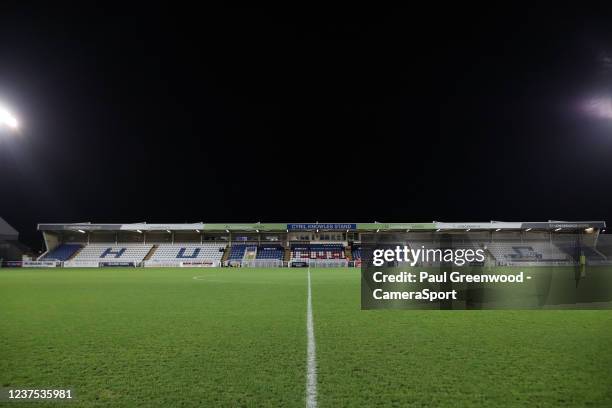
(41, 256)
(226, 254)
(599, 253)
(489, 254)
(348, 253)
(151, 253)
(78, 251)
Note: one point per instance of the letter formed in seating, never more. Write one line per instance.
(109, 251)
(181, 253)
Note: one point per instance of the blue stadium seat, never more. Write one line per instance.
(62, 252)
(270, 252)
(237, 252)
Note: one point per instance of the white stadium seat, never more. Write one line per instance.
(113, 252)
(189, 251)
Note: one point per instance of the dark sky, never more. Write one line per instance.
(161, 115)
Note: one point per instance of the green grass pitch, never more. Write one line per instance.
(237, 337)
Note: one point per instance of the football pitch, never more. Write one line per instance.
(238, 337)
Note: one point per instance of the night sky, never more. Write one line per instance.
(240, 115)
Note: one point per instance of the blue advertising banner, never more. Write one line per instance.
(302, 227)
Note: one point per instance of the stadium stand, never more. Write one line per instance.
(270, 252)
(526, 252)
(189, 252)
(115, 252)
(574, 250)
(237, 252)
(317, 251)
(61, 253)
(266, 255)
(356, 253)
(312, 245)
(250, 253)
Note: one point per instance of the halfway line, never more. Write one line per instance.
(311, 358)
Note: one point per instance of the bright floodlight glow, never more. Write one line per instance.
(7, 119)
(600, 107)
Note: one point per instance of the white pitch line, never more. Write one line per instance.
(311, 358)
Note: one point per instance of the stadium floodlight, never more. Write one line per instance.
(168, 231)
(557, 229)
(257, 230)
(497, 230)
(588, 230)
(467, 230)
(81, 231)
(438, 230)
(378, 230)
(599, 107)
(528, 229)
(198, 231)
(139, 231)
(7, 119)
(227, 231)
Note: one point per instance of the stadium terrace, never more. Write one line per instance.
(302, 244)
